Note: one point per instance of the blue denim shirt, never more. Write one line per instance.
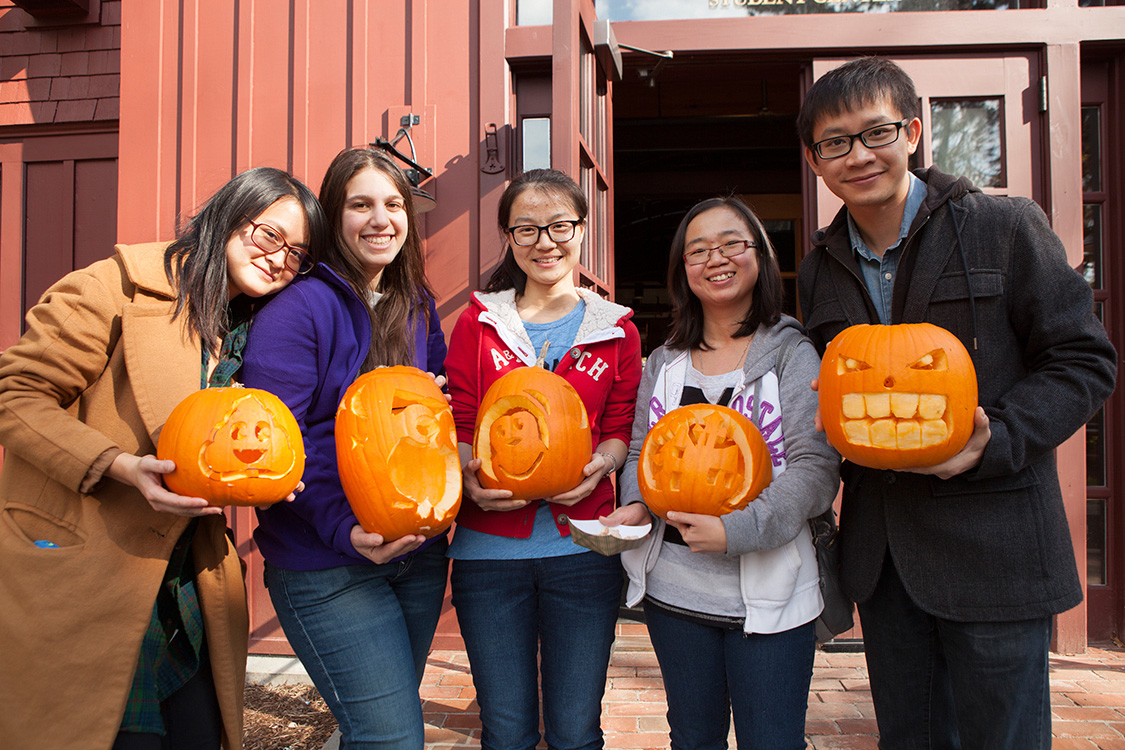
(879, 273)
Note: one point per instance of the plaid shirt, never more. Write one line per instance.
(174, 645)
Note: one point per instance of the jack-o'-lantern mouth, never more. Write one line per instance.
(248, 455)
(896, 421)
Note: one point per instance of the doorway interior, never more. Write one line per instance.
(704, 125)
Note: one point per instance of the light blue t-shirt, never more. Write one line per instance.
(545, 539)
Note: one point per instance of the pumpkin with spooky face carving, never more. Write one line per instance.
(396, 447)
(533, 435)
(703, 458)
(897, 396)
(233, 446)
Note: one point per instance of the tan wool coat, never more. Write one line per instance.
(101, 366)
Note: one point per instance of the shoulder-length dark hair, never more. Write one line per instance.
(508, 275)
(403, 283)
(196, 263)
(687, 313)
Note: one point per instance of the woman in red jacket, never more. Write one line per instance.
(525, 594)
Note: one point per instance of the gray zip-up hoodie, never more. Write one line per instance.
(778, 573)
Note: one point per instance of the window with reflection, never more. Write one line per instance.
(1091, 149)
(1092, 244)
(534, 12)
(651, 10)
(1096, 541)
(536, 136)
(967, 139)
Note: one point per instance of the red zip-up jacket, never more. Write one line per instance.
(603, 365)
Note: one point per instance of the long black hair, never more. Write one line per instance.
(402, 283)
(687, 312)
(509, 275)
(196, 262)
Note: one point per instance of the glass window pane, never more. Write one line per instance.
(967, 139)
(1092, 244)
(534, 12)
(653, 10)
(536, 142)
(783, 237)
(1091, 149)
(1095, 542)
(586, 182)
(1095, 451)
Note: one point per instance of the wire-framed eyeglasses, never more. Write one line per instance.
(526, 235)
(727, 250)
(269, 241)
(876, 136)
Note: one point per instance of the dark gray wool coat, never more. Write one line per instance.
(992, 543)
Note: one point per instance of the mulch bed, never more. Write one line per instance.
(285, 717)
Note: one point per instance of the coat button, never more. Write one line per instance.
(575, 354)
(563, 520)
(889, 477)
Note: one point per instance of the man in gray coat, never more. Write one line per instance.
(956, 569)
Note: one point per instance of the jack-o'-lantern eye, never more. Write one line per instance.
(935, 360)
(847, 364)
(262, 431)
(238, 431)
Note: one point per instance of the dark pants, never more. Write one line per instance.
(191, 718)
(938, 684)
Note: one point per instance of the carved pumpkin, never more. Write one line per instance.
(896, 397)
(703, 458)
(396, 447)
(233, 446)
(532, 435)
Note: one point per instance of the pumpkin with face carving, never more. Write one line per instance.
(897, 396)
(533, 435)
(703, 458)
(396, 447)
(233, 446)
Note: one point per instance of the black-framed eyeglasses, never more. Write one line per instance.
(269, 241)
(727, 250)
(876, 136)
(526, 235)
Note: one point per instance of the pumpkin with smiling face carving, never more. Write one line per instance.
(897, 396)
(703, 458)
(233, 446)
(533, 435)
(396, 447)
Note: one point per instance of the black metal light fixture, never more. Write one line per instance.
(415, 173)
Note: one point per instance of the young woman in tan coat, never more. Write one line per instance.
(123, 616)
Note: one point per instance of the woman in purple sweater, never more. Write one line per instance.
(359, 610)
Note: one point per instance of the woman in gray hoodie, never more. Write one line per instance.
(731, 601)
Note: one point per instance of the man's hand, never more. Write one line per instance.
(969, 457)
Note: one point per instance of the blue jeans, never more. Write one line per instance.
(563, 609)
(363, 633)
(943, 685)
(711, 672)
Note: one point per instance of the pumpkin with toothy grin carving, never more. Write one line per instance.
(897, 396)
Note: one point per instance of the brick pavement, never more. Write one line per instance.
(1087, 692)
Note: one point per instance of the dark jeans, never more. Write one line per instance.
(710, 671)
(944, 685)
(363, 633)
(557, 614)
(191, 718)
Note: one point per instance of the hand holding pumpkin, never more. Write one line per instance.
(379, 550)
(487, 499)
(145, 473)
(593, 473)
(701, 532)
(969, 457)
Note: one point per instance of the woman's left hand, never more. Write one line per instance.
(701, 533)
(378, 550)
(441, 381)
(594, 472)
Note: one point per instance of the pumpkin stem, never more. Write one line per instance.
(542, 360)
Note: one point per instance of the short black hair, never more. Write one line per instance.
(853, 85)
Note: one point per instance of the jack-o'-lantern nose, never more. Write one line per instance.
(889, 382)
